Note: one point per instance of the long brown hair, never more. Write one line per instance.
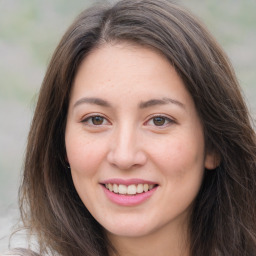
(223, 218)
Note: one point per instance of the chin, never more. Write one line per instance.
(129, 230)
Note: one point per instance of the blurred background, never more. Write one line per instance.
(29, 33)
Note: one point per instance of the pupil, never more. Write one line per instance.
(97, 120)
(159, 121)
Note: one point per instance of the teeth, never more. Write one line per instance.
(122, 189)
(115, 188)
(145, 187)
(139, 188)
(129, 190)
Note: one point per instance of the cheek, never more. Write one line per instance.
(179, 156)
(83, 155)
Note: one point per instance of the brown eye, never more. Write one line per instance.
(97, 120)
(159, 121)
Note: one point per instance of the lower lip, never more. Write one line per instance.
(126, 200)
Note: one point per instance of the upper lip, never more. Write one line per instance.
(127, 182)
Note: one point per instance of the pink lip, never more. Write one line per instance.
(127, 182)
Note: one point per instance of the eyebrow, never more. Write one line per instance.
(163, 101)
(93, 101)
(143, 104)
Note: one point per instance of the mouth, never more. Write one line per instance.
(132, 189)
(129, 192)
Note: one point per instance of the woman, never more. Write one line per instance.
(141, 143)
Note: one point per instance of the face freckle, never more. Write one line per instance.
(128, 149)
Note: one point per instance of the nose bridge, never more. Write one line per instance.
(126, 138)
(126, 150)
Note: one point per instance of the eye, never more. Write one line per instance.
(96, 120)
(159, 121)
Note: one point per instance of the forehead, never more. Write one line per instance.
(127, 70)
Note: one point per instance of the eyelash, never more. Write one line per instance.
(166, 120)
(89, 121)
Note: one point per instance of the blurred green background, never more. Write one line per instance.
(29, 33)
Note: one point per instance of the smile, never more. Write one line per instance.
(129, 192)
(132, 189)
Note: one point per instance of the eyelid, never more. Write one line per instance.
(167, 118)
(88, 116)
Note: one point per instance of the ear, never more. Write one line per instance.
(212, 160)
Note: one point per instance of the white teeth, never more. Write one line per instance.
(150, 186)
(139, 188)
(115, 188)
(145, 187)
(110, 187)
(129, 190)
(122, 189)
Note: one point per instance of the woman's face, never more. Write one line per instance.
(134, 141)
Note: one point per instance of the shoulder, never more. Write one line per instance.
(11, 254)
(20, 252)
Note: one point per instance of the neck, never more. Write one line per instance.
(160, 242)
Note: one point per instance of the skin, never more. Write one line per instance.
(126, 143)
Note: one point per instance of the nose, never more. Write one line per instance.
(126, 150)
